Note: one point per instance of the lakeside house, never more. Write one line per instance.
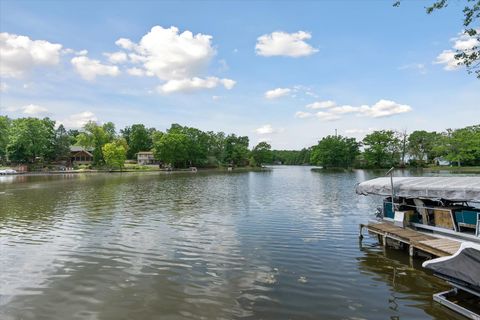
(145, 158)
(80, 155)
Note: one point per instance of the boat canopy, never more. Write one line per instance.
(461, 268)
(434, 188)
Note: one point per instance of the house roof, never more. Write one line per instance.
(145, 152)
(80, 148)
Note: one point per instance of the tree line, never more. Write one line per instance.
(388, 148)
(33, 140)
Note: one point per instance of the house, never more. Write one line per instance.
(145, 157)
(439, 161)
(80, 155)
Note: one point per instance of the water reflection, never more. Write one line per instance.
(278, 244)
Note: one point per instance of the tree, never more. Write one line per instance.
(115, 154)
(421, 145)
(4, 137)
(30, 138)
(461, 146)
(96, 136)
(171, 148)
(468, 56)
(236, 150)
(138, 139)
(61, 148)
(262, 153)
(335, 151)
(382, 149)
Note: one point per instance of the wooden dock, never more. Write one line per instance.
(414, 240)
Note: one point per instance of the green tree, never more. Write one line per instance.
(236, 150)
(96, 136)
(61, 148)
(461, 146)
(171, 148)
(421, 145)
(30, 138)
(138, 138)
(115, 154)
(382, 149)
(335, 151)
(4, 137)
(262, 153)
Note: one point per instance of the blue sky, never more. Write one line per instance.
(354, 66)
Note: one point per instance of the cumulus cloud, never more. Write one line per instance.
(463, 43)
(29, 110)
(169, 54)
(321, 104)
(277, 93)
(384, 108)
(284, 44)
(327, 116)
(20, 54)
(116, 57)
(265, 129)
(89, 69)
(136, 72)
(302, 114)
(195, 83)
(78, 120)
(3, 87)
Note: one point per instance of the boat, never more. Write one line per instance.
(449, 208)
(442, 205)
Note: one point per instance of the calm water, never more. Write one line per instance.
(281, 244)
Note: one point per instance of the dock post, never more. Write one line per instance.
(411, 251)
(361, 235)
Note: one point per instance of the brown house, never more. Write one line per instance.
(80, 155)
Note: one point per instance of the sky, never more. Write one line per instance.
(285, 72)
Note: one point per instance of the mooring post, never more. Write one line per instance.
(361, 235)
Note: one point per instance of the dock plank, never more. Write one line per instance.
(420, 241)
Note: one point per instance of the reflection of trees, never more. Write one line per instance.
(405, 278)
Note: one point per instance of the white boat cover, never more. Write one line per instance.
(435, 188)
(463, 266)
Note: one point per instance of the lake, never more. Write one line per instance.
(278, 244)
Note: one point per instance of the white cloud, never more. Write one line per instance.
(384, 108)
(171, 55)
(302, 114)
(463, 43)
(420, 67)
(322, 105)
(447, 57)
(327, 116)
(33, 109)
(78, 120)
(284, 44)
(265, 129)
(195, 83)
(30, 110)
(3, 87)
(277, 93)
(116, 57)
(359, 131)
(19, 54)
(136, 72)
(124, 43)
(89, 69)
(216, 98)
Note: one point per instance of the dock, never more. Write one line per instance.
(415, 241)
